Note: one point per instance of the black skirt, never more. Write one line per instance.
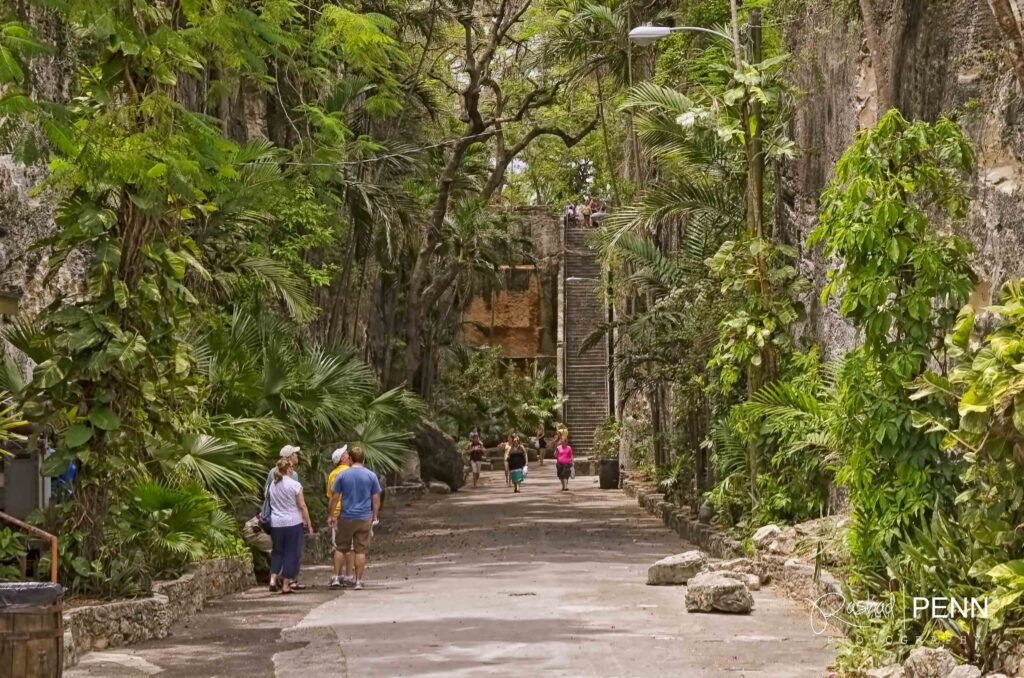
(564, 471)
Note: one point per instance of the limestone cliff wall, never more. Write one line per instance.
(928, 58)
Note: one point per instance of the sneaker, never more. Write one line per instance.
(359, 586)
(348, 581)
(335, 583)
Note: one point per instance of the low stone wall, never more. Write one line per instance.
(710, 539)
(123, 622)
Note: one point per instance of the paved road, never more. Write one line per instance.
(485, 582)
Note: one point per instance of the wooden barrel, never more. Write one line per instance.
(31, 631)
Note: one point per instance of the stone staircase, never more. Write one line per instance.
(585, 375)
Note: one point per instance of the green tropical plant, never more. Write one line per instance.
(12, 550)
(901, 283)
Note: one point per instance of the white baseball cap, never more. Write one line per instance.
(289, 450)
(339, 453)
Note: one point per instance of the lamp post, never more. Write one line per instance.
(646, 35)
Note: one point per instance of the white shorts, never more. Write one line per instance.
(475, 466)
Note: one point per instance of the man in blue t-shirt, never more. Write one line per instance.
(359, 492)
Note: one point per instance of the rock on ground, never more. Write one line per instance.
(766, 535)
(965, 671)
(745, 565)
(676, 570)
(439, 458)
(891, 671)
(752, 581)
(929, 662)
(713, 592)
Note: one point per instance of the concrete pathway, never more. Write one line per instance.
(485, 582)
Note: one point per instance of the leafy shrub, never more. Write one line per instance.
(12, 549)
(606, 439)
(900, 283)
(480, 392)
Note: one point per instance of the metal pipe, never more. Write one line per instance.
(32, 529)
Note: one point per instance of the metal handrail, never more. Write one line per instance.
(39, 533)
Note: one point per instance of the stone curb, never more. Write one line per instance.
(712, 541)
(123, 622)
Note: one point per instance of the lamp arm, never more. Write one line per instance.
(702, 30)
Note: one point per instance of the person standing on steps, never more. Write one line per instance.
(563, 463)
(358, 490)
(344, 564)
(517, 461)
(568, 214)
(289, 519)
(541, 444)
(476, 456)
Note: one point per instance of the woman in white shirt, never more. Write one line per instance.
(289, 521)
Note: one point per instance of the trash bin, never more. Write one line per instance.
(609, 474)
(31, 630)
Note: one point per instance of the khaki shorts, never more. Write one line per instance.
(353, 535)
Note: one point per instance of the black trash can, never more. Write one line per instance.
(31, 630)
(609, 474)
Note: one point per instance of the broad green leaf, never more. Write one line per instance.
(77, 435)
(104, 418)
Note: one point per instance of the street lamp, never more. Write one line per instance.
(645, 35)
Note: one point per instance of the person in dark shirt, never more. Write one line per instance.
(516, 462)
(476, 456)
(542, 444)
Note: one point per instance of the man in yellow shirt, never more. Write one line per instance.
(342, 561)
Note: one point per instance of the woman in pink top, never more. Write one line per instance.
(563, 463)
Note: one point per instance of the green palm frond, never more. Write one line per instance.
(220, 466)
(386, 450)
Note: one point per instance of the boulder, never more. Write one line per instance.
(965, 671)
(439, 458)
(713, 592)
(676, 570)
(765, 536)
(739, 565)
(891, 671)
(996, 675)
(752, 581)
(929, 662)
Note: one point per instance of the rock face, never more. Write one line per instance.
(713, 592)
(965, 671)
(676, 570)
(439, 458)
(928, 662)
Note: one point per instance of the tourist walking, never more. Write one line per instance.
(541, 444)
(563, 463)
(569, 214)
(289, 521)
(476, 456)
(517, 461)
(506, 446)
(344, 564)
(358, 491)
